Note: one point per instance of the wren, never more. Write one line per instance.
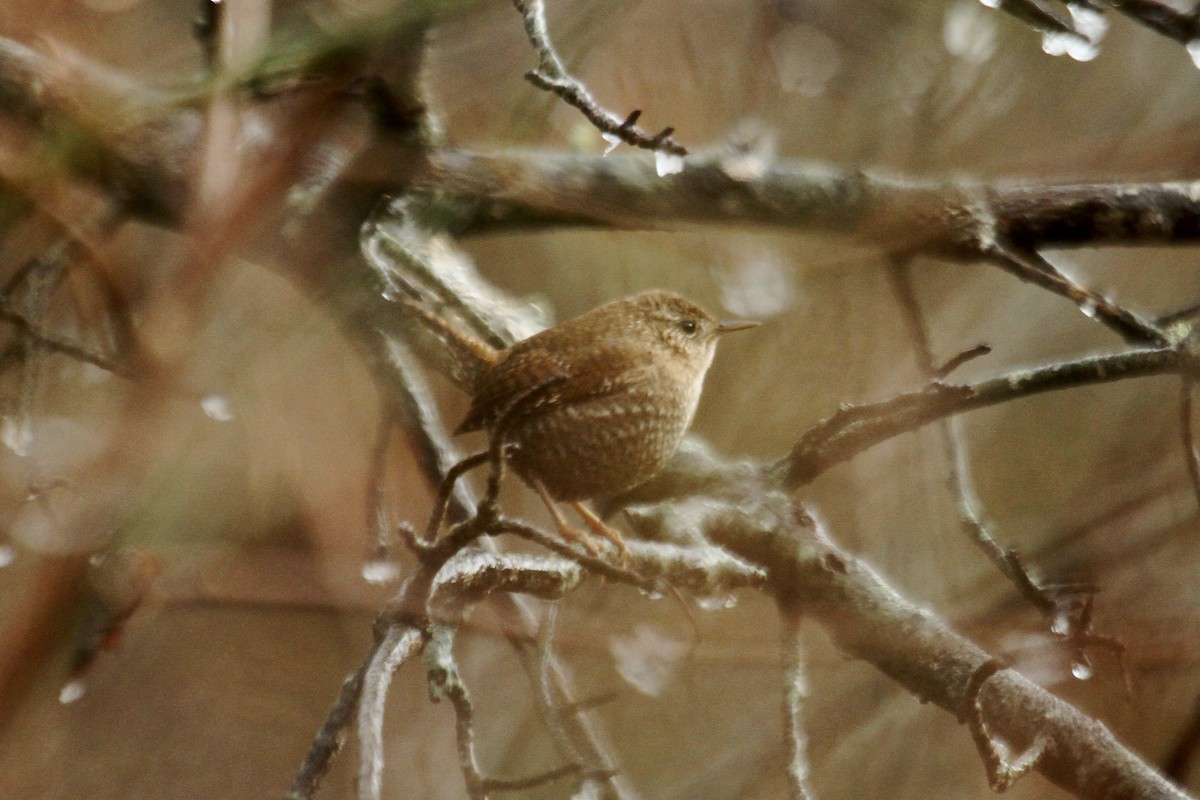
(598, 404)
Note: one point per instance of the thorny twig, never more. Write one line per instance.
(553, 76)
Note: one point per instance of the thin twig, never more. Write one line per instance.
(1029, 265)
(854, 428)
(1162, 18)
(398, 644)
(552, 76)
(970, 513)
(378, 519)
(330, 737)
(1001, 773)
(795, 695)
(556, 545)
(1187, 426)
(1038, 16)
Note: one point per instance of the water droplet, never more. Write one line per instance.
(805, 58)
(1082, 44)
(1193, 48)
(8, 554)
(71, 691)
(717, 602)
(1061, 624)
(380, 571)
(1088, 307)
(392, 294)
(969, 32)
(667, 163)
(650, 594)
(612, 139)
(1088, 21)
(216, 407)
(990, 3)
(647, 659)
(1081, 669)
(17, 434)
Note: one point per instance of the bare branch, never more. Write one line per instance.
(1187, 427)
(553, 76)
(1001, 773)
(970, 512)
(795, 695)
(1162, 18)
(398, 644)
(854, 428)
(330, 737)
(1032, 267)
(1036, 15)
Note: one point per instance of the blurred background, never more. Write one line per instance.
(235, 508)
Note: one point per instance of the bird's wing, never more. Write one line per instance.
(527, 379)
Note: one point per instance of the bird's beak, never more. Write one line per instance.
(731, 325)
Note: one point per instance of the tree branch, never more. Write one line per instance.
(854, 428)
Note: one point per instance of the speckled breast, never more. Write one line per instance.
(600, 446)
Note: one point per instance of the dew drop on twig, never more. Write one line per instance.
(612, 139)
(667, 163)
(380, 571)
(17, 434)
(71, 691)
(717, 602)
(216, 407)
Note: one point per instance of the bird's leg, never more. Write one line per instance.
(565, 529)
(603, 529)
(573, 534)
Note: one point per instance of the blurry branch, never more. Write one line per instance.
(552, 75)
(1073, 629)
(1187, 426)
(1162, 18)
(957, 460)
(854, 428)
(24, 300)
(1036, 14)
(795, 695)
(1031, 266)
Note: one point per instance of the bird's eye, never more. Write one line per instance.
(688, 326)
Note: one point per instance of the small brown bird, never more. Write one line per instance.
(598, 404)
